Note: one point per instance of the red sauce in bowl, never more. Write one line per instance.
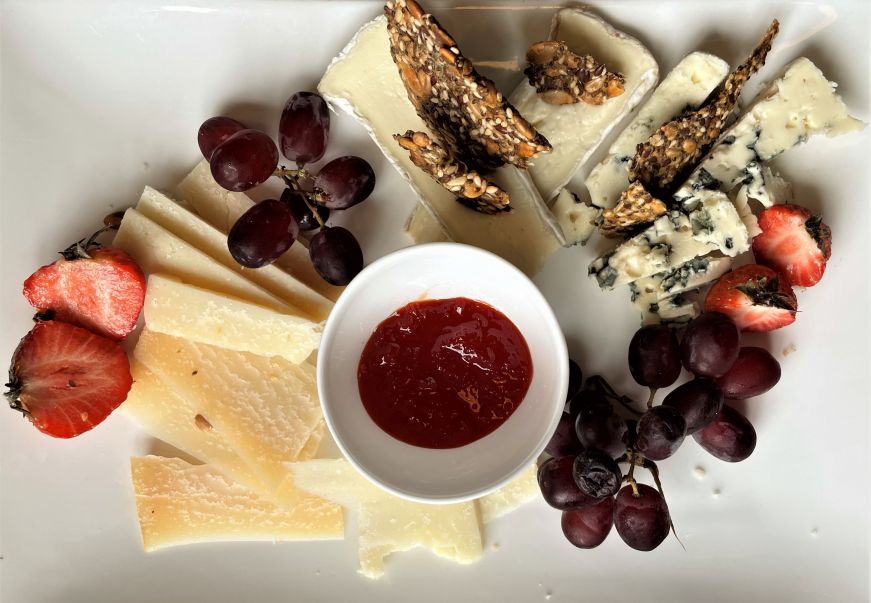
(443, 373)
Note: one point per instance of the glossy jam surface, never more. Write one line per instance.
(443, 373)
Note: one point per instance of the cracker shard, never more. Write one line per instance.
(459, 106)
(680, 143)
(471, 188)
(635, 208)
(562, 77)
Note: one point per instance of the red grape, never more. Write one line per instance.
(262, 234)
(244, 160)
(557, 484)
(654, 356)
(698, 401)
(661, 431)
(755, 372)
(345, 182)
(576, 380)
(304, 216)
(710, 345)
(587, 528)
(642, 522)
(729, 437)
(214, 131)
(600, 427)
(304, 127)
(597, 473)
(587, 398)
(336, 255)
(564, 441)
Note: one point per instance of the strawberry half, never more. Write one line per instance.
(98, 288)
(67, 380)
(755, 297)
(794, 242)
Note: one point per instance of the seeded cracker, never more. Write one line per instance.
(461, 107)
(473, 190)
(635, 207)
(678, 145)
(562, 77)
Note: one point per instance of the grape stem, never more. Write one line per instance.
(630, 477)
(293, 183)
(298, 174)
(650, 399)
(605, 388)
(654, 471)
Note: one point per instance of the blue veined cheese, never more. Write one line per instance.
(673, 239)
(576, 219)
(655, 310)
(767, 188)
(576, 130)
(798, 105)
(659, 297)
(687, 85)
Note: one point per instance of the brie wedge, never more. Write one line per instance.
(576, 130)
(687, 85)
(576, 219)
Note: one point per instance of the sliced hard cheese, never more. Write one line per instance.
(179, 503)
(389, 524)
(798, 105)
(364, 82)
(687, 85)
(204, 316)
(265, 408)
(576, 130)
(520, 490)
(208, 239)
(221, 208)
(156, 249)
(423, 227)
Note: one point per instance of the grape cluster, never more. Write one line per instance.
(241, 158)
(583, 477)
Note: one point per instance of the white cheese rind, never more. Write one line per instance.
(576, 219)
(193, 229)
(179, 503)
(364, 82)
(673, 239)
(221, 208)
(204, 316)
(576, 130)
(800, 104)
(687, 85)
(156, 249)
(423, 227)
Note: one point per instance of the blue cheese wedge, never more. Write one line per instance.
(576, 130)
(364, 82)
(659, 298)
(674, 239)
(576, 219)
(687, 85)
(800, 104)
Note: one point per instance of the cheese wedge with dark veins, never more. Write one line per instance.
(687, 85)
(575, 131)
(196, 231)
(221, 208)
(179, 503)
(364, 82)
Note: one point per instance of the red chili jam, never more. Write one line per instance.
(443, 373)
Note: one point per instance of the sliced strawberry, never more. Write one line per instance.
(794, 242)
(67, 380)
(99, 288)
(755, 297)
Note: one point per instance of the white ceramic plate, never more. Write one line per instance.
(100, 98)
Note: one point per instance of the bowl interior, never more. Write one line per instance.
(440, 270)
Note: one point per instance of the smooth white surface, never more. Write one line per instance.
(440, 271)
(98, 99)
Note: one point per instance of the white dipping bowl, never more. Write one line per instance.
(437, 271)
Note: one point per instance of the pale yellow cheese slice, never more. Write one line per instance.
(193, 229)
(423, 227)
(221, 208)
(156, 249)
(520, 490)
(265, 408)
(179, 503)
(388, 524)
(204, 316)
